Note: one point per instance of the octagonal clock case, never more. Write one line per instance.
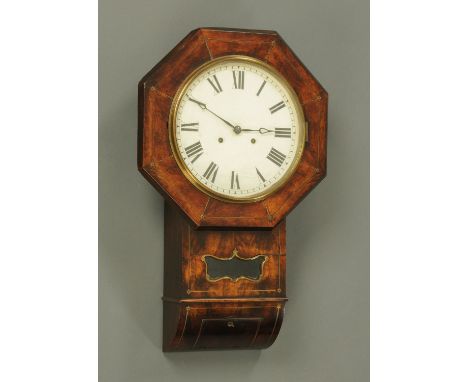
(232, 132)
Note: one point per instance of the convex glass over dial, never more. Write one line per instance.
(237, 129)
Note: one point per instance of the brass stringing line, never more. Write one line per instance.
(199, 332)
(233, 217)
(250, 290)
(153, 162)
(273, 43)
(207, 47)
(304, 185)
(244, 42)
(313, 100)
(278, 307)
(242, 307)
(256, 332)
(190, 257)
(187, 309)
(258, 319)
(204, 210)
(269, 217)
(279, 259)
(228, 300)
(190, 262)
(320, 120)
(157, 90)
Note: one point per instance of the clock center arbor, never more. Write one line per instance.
(224, 226)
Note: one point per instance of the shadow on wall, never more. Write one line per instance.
(131, 227)
(131, 222)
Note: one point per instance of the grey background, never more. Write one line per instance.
(325, 334)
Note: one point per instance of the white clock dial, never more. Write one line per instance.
(237, 129)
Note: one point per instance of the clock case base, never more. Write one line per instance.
(201, 313)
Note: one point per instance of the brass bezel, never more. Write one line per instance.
(301, 130)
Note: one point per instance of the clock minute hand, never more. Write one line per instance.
(201, 104)
(204, 107)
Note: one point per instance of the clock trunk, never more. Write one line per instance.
(210, 306)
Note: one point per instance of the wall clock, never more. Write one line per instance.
(232, 132)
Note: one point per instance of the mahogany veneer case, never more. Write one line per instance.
(204, 310)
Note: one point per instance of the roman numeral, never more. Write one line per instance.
(234, 180)
(215, 83)
(281, 132)
(211, 171)
(260, 175)
(261, 88)
(277, 107)
(276, 157)
(238, 79)
(195, 150)
(189, 126)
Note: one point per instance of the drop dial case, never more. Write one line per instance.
(232, 133)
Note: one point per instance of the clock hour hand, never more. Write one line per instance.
(261, 130)
(203, 106)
